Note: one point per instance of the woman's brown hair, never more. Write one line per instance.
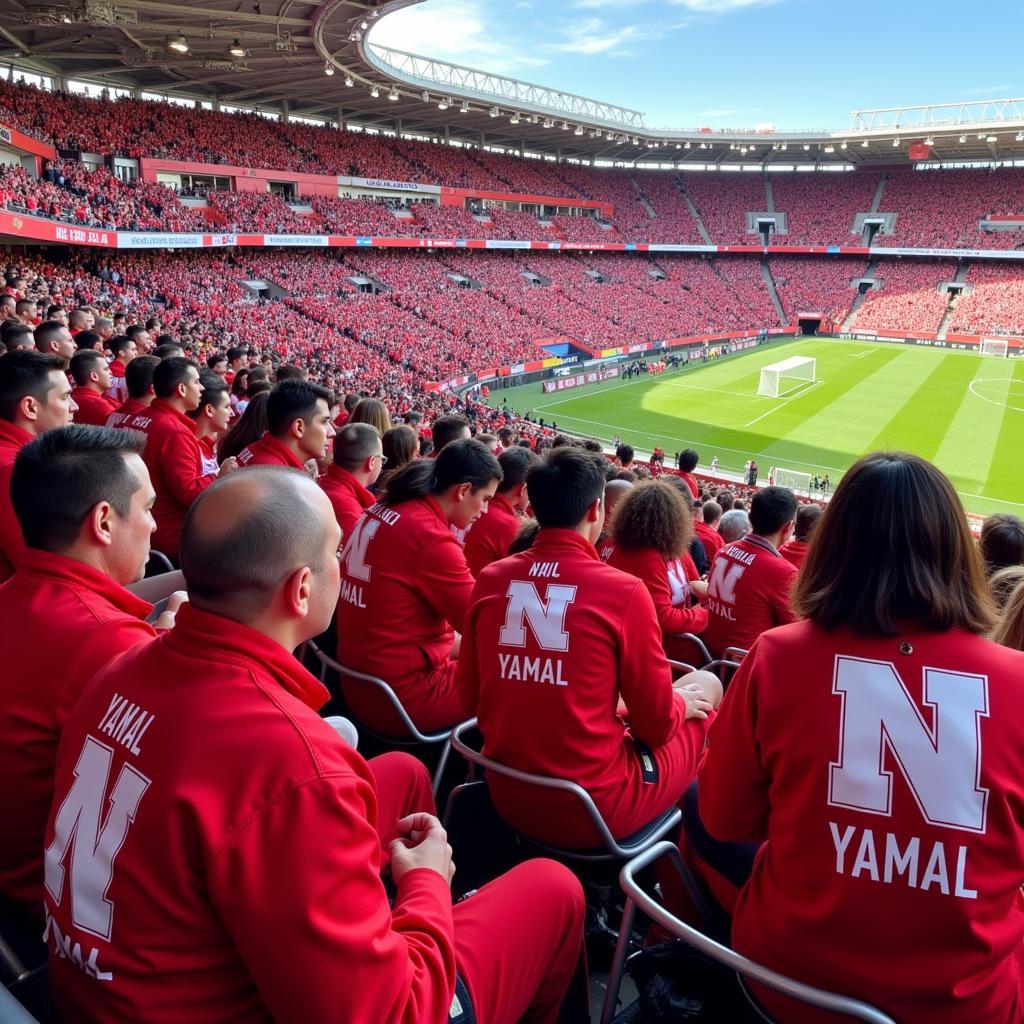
(1009, 629)
(653, 515)
(893, 549)
(374, 412)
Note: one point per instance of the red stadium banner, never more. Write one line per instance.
(919, 151)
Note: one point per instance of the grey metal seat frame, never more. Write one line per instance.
(441, 737)
(614, 849)
(637, 898)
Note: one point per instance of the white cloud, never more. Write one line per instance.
(593, 35)
(455, 30)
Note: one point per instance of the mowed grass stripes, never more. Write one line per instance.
(963, 411)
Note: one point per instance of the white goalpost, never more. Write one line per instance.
(798, 483)
(994, 346)
(786, 376)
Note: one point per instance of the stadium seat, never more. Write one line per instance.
(442, 738)
(12, 1012)
(638, 899)
(611, 849)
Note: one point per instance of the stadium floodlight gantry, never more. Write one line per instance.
(787, 376)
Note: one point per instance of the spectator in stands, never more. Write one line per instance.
(173, 455)
(374, 412)
(1009, 628)
(210, 417)
(492, 534)
(200, 910)
(218, 364)
(1003, 582)
(68, 609)
(726, 499)
(104, 328)
(1002, 541)
(299, 427)
(79, 320)
(357, 463)
(687, 463)
(52, 338)
(123, 350)
(405, 586)
(795, 551)
(91, 373)
(614, 492)
(625, 454)
(705, 528)
(399, 445)
(446, 429)
(589, 639)
(168, 349)
(139, 384)
(247, 429)
(142, 338)
(750, 582)
(734, 525)
(17, 335)
(86, 340)
(34, 397)
(875, 748)
(652, 533)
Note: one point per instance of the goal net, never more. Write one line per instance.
(799, 483)
(994, 346)
(789, 375)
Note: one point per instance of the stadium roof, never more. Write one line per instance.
(277, 54)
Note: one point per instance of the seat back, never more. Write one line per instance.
(12, 1012)
(612, 847)
(746, 969)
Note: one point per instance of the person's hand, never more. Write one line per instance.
(165, 620)
(702, 692)
(700, 588)
(422, 843)
(227, 466)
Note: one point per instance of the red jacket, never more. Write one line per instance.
(404, 586)
(12, 544)
(93, 408)
(748, 592)
(712, 540)
(223, 856)
(491, 535)
(125, 412)
(175, 461)
(268, 451)
(63, 620)
(794, 552)
(668, 583)
(118, 390)
(887, 776)
(348, 497)
(553, 637)
(691, 482)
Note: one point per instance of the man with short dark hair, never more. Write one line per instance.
(203, 841)
(85, 340)
(795, 550)
(79, 320)
(91, 374)
(26, 311)
(298, 427)
(217, 364)
(446, 429)
(491, 535)
(358, 460)
(705, 529)
(138, 378)
(35, 396)
(69, 611)
(16, 335)
(173, 454)
(167, 350)
(236, 361)
(554, 638)
(624, 453)
(687, 463)
(142, 338)
(750, 582)
(52, 338)
(123, 351)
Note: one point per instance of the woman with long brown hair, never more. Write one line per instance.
(876, 750)
(374, 412)
(652, 528)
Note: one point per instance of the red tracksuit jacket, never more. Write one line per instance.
(12, 544)
(175, 461)
(93, 409)
(62, 620)
(491, 534)
(118, 390)
(125, 412)
(268, 451)
(748, 592)
(710, 538)
(553, 637)
(348, 497)
(794, 552)
(668, 583)
(404, 586)
(234, 874)
(887, 776)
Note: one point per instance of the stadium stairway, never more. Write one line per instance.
(701, 229)
(961, 276)
(869, 271)
(876, 203)
(769, 283)
(769, 194)
(642, 199)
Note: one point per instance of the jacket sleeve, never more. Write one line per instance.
(182, 464)
(12, 543)
(782, 596)
(444, 580)
(672, 618)
(645, 677)
(734, 783)
(308, 868)
(469, 670)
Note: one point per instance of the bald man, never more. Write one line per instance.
(614, 491)
(244, 840)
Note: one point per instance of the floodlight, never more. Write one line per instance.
(443, 104)
(329, 70)
(236, 49)
(348, 81)
(393, 94)
(178, 43)
(374, 92)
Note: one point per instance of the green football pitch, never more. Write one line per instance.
(963, 411)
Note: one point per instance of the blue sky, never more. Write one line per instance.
(732, 63)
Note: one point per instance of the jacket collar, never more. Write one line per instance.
(12, 436)
(281, 450)
(158, 407)
(550, 541)
(60, 569)
(347, 480)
